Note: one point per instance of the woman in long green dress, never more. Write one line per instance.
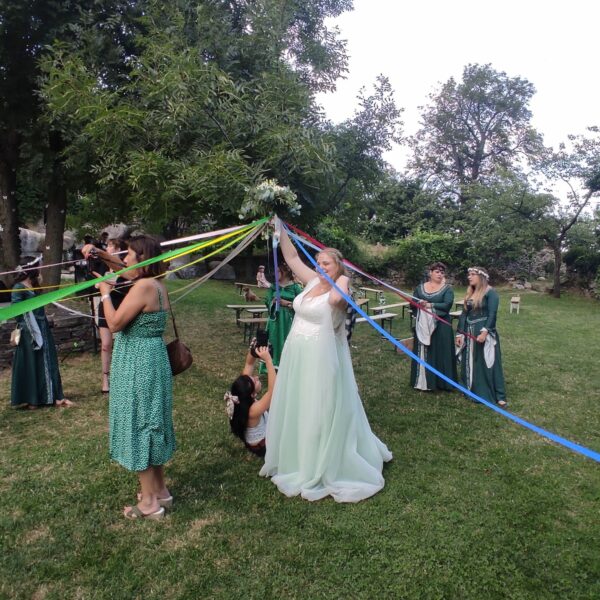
(280, 322)
(141, 435)
(434, 340)
(36, 379)
(479, 340)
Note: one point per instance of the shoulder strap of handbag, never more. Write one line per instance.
(170, 309)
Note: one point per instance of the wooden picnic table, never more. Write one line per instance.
(459, 304)
(251, 325)
(363, 303)
(379, 295)
(239, 308)
(384, 317)
(386, 307)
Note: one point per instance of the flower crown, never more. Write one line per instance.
(230, 402)
(478, 271)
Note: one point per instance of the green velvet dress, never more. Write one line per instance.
(280, 322)
(484, 379)
(440, 353)
(141, 394)
(35, 375)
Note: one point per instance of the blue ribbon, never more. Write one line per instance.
(276, 266)
(543, 432)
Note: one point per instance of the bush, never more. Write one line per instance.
(414, 253)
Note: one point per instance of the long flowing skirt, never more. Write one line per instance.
(319, 441)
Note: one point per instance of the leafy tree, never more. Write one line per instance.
(398, 206)
(473, 127)
(211, 104)
(27, 141)
(359, 144)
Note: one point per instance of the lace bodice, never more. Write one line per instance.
(312, 314)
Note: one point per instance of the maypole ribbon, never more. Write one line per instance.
(190, 238)
(14, 310)
(246, 241)
(543, 432)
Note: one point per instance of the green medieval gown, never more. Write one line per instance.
(280, 322)
(482, 374)
(440, 353)
(35, 375)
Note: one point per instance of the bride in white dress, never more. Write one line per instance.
(318, 439)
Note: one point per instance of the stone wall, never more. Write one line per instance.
(72, 334)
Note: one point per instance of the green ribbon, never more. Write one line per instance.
(19, 308)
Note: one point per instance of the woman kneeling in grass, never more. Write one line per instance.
(247, 414)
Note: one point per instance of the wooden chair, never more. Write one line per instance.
(515, 303)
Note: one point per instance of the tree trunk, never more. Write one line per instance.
(9, 213)
(56, 213)
(557, 265)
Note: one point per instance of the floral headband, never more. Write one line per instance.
(478, 271)
(230, 402)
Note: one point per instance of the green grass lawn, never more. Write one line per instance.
(474, 506)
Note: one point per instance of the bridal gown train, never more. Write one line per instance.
(319, 441)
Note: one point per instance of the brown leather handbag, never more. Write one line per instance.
(180, 356)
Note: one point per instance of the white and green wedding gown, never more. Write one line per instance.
(319, 442)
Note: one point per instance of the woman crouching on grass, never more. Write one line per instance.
(247, 414)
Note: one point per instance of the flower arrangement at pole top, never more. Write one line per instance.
(269, 197)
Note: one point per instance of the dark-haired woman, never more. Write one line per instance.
(434, 339)
(280, 322)
(247, 414)
(141, 435)
(479, 341)
(35, 376)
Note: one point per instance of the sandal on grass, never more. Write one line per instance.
(135, 513)
(501, 403)
(164, 502)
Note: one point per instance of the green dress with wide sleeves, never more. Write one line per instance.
(35, 376)
(280, 322)
(481, 370)
(440, 352)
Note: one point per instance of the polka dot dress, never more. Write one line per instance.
(141, 395)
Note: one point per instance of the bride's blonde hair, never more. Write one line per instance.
(338, 259)
(475, 293)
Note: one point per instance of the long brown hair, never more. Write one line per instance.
(475, 293)
(146, 247)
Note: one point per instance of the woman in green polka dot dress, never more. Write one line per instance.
(141, 435)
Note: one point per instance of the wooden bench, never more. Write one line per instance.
(241, 307)
(241, 286)
(363, 303)
(386, 307)
(377, 293)
(251, 325)
(515, 303)
(459, 304)
(385, 318)
(455, 314)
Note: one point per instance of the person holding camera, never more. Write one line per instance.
(110, 257)
(247, 414)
